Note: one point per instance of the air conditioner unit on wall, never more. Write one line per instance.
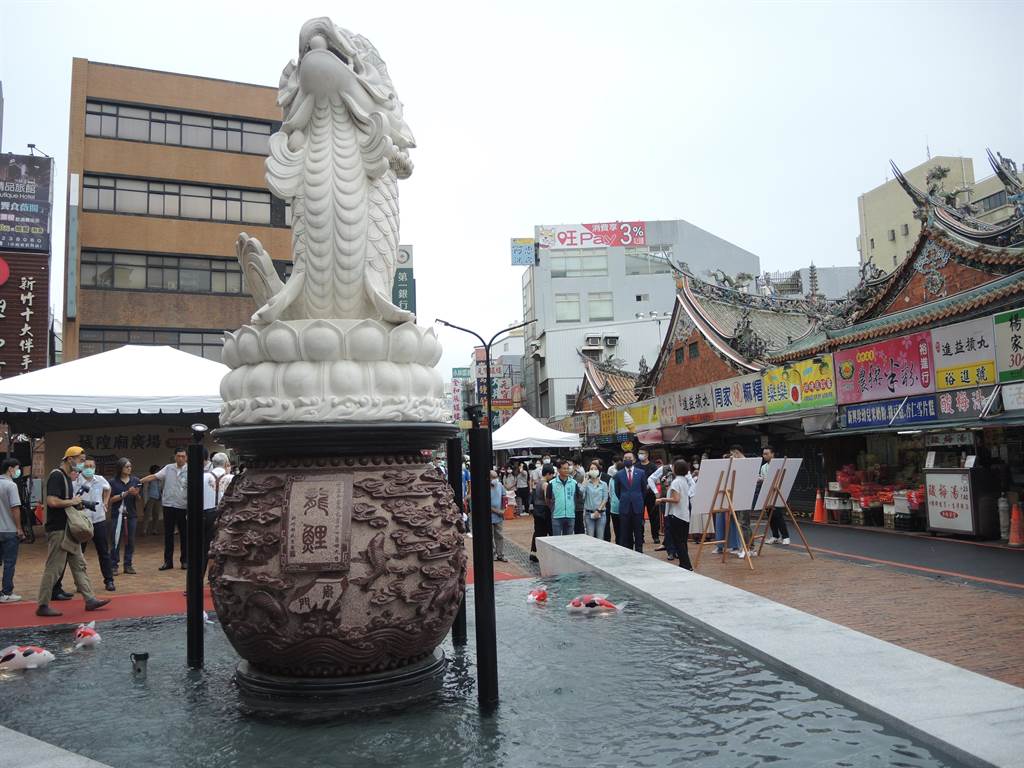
(611, 341)
(593, 341)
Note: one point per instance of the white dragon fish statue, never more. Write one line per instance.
(337, 159)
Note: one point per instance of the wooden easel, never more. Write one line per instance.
(775, 493)
(723, 490)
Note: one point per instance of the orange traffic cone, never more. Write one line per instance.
(1016, 529)
(819, 509)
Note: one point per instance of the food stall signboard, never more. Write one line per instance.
(965, 354)
(910, 410)
(964, 404)
(947, 439)
(950, 501)
(686, 406)
(800, 385)
(739, 397)
(607, 422)
(1010, 345)
(886, 369)
(1013, 397)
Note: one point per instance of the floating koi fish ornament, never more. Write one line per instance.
(24, 657)
(591, 604)
(86, 636)
(539, 595)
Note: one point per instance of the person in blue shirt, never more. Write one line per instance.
(595, 503)
(497, 517)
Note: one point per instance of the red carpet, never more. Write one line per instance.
(124, 607)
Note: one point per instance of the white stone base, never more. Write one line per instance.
(974, 719)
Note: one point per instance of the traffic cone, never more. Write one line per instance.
(819, 509)
(1016, 529)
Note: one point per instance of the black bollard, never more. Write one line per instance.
(196, 555)
(454, 460)
(483, 569)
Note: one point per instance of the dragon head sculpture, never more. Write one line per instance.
(335, 63)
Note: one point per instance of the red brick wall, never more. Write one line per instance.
(707, 367)
(958, 278)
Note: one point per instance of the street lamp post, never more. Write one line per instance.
(481, 455)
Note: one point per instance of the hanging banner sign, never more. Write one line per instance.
(1009, 328)
(965, 404)
(26, 196)
(885, 413)
(739, 397)
(964, 354)
(686, 406)
(607, 422)
(593, 424)
(644, 415)
(522, 252)
(1013, 397)
(613, 233)
(800, 386)
(886, 369)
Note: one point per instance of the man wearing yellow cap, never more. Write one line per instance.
(60, 496)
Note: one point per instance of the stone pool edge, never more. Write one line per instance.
(35, 753)
(966, 716)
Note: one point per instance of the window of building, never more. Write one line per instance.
(992, 202)
(567, 307)
(204, 343)
(694, 350)
(905, 229)
(892, 235)
(570, 402)
(894, 259)
(599, 306)
(580, 262)
(187, 201)
(680, 355)
(593, 354)
(648, 259)
(643, 297)
(180, 274)
(872, 243)
(186, 129)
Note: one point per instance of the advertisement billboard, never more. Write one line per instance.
(403, 290)
(25, 203)
(965, 354)
(886, 369)
(918, 409)
(800, 386)
(1010, 345)
(739, 397)
(964, 404)
(24, 314)
(605, 234)
(686, 406)
(522, 252)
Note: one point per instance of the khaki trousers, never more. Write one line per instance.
(56, 559)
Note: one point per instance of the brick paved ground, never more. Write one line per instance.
(975, 628)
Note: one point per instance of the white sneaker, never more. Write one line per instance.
(11, 598)
(753, 553)
(785, 541)
(770, 540)
(741, 554)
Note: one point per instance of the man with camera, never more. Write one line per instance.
(95, 492)
(60, 496)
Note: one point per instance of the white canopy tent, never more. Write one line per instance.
(524, 431)
(127, 380)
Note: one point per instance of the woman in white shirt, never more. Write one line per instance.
(677, 510)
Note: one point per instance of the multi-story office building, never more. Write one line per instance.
(606, 291)
(164, 171)
(888, 229)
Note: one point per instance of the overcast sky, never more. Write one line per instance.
(761, 123)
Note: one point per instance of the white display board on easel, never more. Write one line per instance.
(792, 468)
(707, 483)
(747, 472)
(774, 467)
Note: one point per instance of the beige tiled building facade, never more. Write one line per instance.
(164, 171)
(888, 229)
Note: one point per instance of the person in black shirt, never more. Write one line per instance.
(650, 498)
(60, 496)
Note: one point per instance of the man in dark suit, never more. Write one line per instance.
(630, 485)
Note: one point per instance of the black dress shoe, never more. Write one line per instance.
(45, 610)
(110, 586)
(62, 596)
(165, 567)
(92, 605)
(184, 566)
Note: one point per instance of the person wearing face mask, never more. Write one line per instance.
(595, 503)
(11, 532)
(577, 473)
(541, 511)
(650, 503)
(612, 529)
(95, 488)
(630, 485)
(60, 496)
(563, 494)
(497, 517)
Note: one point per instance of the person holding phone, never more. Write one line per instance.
(124, 489)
